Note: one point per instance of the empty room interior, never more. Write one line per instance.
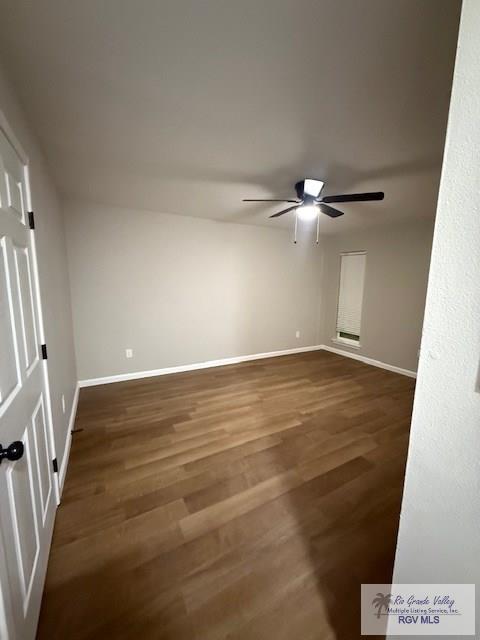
(238, 247)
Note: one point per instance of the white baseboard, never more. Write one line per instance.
(137, 375)
(371, 361)
(192, 367)
(68, 444)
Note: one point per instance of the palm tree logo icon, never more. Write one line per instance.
(381, 602)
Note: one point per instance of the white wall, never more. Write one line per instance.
(439, 537)
(180, 290)
(53, 271)
(398, 257)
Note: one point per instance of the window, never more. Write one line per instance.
(350, 297)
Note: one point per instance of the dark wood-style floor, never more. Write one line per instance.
(241, 502)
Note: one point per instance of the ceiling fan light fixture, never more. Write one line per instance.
(312, 187)
(308, 212)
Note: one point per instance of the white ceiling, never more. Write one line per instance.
(187, 106)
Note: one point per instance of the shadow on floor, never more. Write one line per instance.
(359, 498)
(260, 498)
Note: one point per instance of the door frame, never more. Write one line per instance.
(12, 138)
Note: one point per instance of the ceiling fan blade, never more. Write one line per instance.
(330, 211)
(355, 197)
(268, 200)
(280, 213)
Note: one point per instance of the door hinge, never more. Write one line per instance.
(31, 220)
(44, 352)
(55, 465)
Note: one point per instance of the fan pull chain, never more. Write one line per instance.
(296, 220)
(318, 225)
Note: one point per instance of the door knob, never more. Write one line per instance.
(13, 452)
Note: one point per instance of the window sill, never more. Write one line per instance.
(347, 343)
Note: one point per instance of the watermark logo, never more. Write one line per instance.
(418, 609)
(381, 602)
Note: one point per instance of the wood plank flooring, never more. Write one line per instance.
(241, 502)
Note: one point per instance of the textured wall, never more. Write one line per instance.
(180, 290)
(396, 275)
(439, 539)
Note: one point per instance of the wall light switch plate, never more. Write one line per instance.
(129, 353)
(63, 403)
(297, 334)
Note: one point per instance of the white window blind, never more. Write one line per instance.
(352, 276)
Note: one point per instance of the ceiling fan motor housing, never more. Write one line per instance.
(299, 189)
(304, 197)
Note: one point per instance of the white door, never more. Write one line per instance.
(27, 485)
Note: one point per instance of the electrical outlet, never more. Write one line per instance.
(297, 334)
(129, 353)
(63, 403)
